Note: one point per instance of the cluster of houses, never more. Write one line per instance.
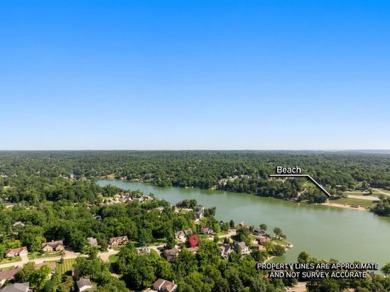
(161, 285)
(225, 249)
(181, 235)
(51, 246)
(170, 255)
(83, 284)
(123, 197)
(58, 246)
(199, 210)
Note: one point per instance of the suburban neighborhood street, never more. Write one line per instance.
(66, 256)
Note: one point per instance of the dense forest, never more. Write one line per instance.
(238, 171)
(203, 169)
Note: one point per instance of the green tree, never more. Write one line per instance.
(40, 277)
(235, 282)
(77, 240)
(66, 284)
(170, 241)
(140, 273)
(145, 236)
(278, 232)
(278, 250)
(85, 267)
(51, 285)
(323, 285)
(26, 273)
(32, 237)
(386, 269)
(2, 251)
(303, 257)
(258, 256)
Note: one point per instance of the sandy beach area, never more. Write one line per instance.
(344, 206)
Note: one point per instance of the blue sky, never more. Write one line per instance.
(194, 74)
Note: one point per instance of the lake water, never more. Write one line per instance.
(324, 232)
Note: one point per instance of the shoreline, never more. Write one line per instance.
(344, 206)
(335, 205)
(269, 258)
(327, 204)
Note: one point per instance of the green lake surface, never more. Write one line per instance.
(324, 232)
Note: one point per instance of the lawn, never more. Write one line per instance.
(10, 260)
(153, 243)
(279, 241)
(113, 258)
(37, 255)
(363, 203)
(355, 193)
(66, 266)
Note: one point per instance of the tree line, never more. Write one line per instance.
(236, 171)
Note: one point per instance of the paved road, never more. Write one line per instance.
(72, 255)
(68, 255)
(105, 255)
(25, 260)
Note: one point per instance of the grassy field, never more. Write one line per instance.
(361, 193)
(355, 193)
(363, 203)
(382, 190)
(66, 266)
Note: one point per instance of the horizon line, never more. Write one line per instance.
(200, 149)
